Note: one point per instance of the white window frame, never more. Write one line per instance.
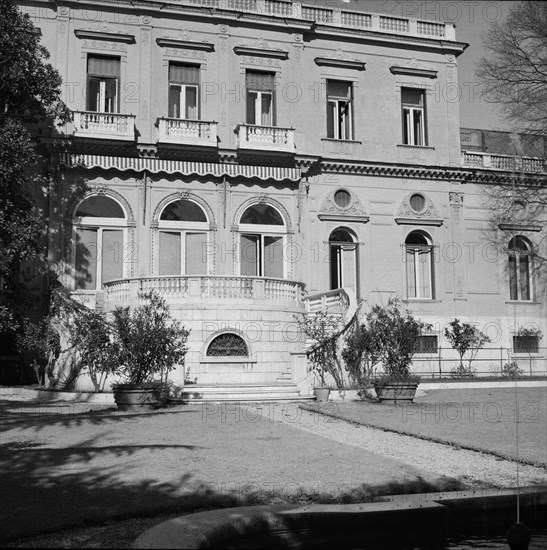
(339, 128)
(417, 272)
(258, 107)
(409, 114)
(101, 100)
(184, 228)
(100, 224)
(518, 255)
(263, 231)
(182, 100)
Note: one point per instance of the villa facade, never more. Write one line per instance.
(254, 160)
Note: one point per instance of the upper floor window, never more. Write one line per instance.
(262, 238)
(103, 84)
(183, 232)
(519, 269)
(419, 266)
(260, 89)
(100, 227)
(184, 91)
(413, 104)
(339, 115)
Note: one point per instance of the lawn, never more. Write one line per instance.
(480, 419)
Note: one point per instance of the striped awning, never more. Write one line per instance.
(182, 167)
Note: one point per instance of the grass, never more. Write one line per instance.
(477, 419)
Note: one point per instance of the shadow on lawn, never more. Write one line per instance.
(46, 489)
(19, 415)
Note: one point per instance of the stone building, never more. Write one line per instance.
(253, 160)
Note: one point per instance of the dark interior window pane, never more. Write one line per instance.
(183, 211)
(100, 207)
(262, 214)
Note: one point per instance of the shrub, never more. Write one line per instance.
(361, 355)
(464, 338)
(461, 371)
(511, 370)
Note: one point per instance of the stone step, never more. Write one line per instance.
(241, 392)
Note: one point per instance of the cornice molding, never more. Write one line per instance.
(413, 71)
(186, 44)
(103, 35)
(248, 50)
(519, 227)
(340, 63)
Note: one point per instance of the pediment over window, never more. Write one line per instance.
(341, 60)
(417, 209)
(413, 71)
(517, 227)
(105, 32)
(261, 48)
(341, 205)
(186, 44)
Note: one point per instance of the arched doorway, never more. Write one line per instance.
(343, 260)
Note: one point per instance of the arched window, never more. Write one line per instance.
(100, 228)
(183, 231)
(520, 269)
(228, 345)
(262, 240)
(343, 259)
(419, 266)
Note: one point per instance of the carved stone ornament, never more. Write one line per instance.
(455, 199)
(406, 215)
(184, 194)
(183, 39)
(104, 32)
(341, 59)
(261, 48)
(354, 212)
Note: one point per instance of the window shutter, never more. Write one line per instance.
(103, 66)
(184, 74)
(336, 88)
(261, 82)
(169, 253)
(196, 254)
(86, 259)
(249, 255)
(112, 255)
(273, 257)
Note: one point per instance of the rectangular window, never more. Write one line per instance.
(184, 91)
(103, 84)
(98, 251)
(260, 88)
(339, 110)
(525, 344)
(428, 344)
(413, 103)
(176, 246)
(262, 256)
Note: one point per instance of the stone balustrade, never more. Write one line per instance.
(508, 163)
(104, 125)
(201, 288)
(266, 138)
(333, 16)
(187, 132)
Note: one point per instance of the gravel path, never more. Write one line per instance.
(442, 460)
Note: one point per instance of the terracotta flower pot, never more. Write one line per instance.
(396, 392)
(321, 394)
(129, 397)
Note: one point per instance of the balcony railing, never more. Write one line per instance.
(104, 125)
(266, 138)
(507, 163)
(333, 16)
(187, 132)
(202, 288)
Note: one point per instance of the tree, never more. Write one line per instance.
(515, 71)
(464, 338)
(30, 95)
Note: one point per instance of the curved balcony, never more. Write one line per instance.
(196, 289)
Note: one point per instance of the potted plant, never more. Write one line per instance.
(147, 345)
(396, 333)
(323, 329)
